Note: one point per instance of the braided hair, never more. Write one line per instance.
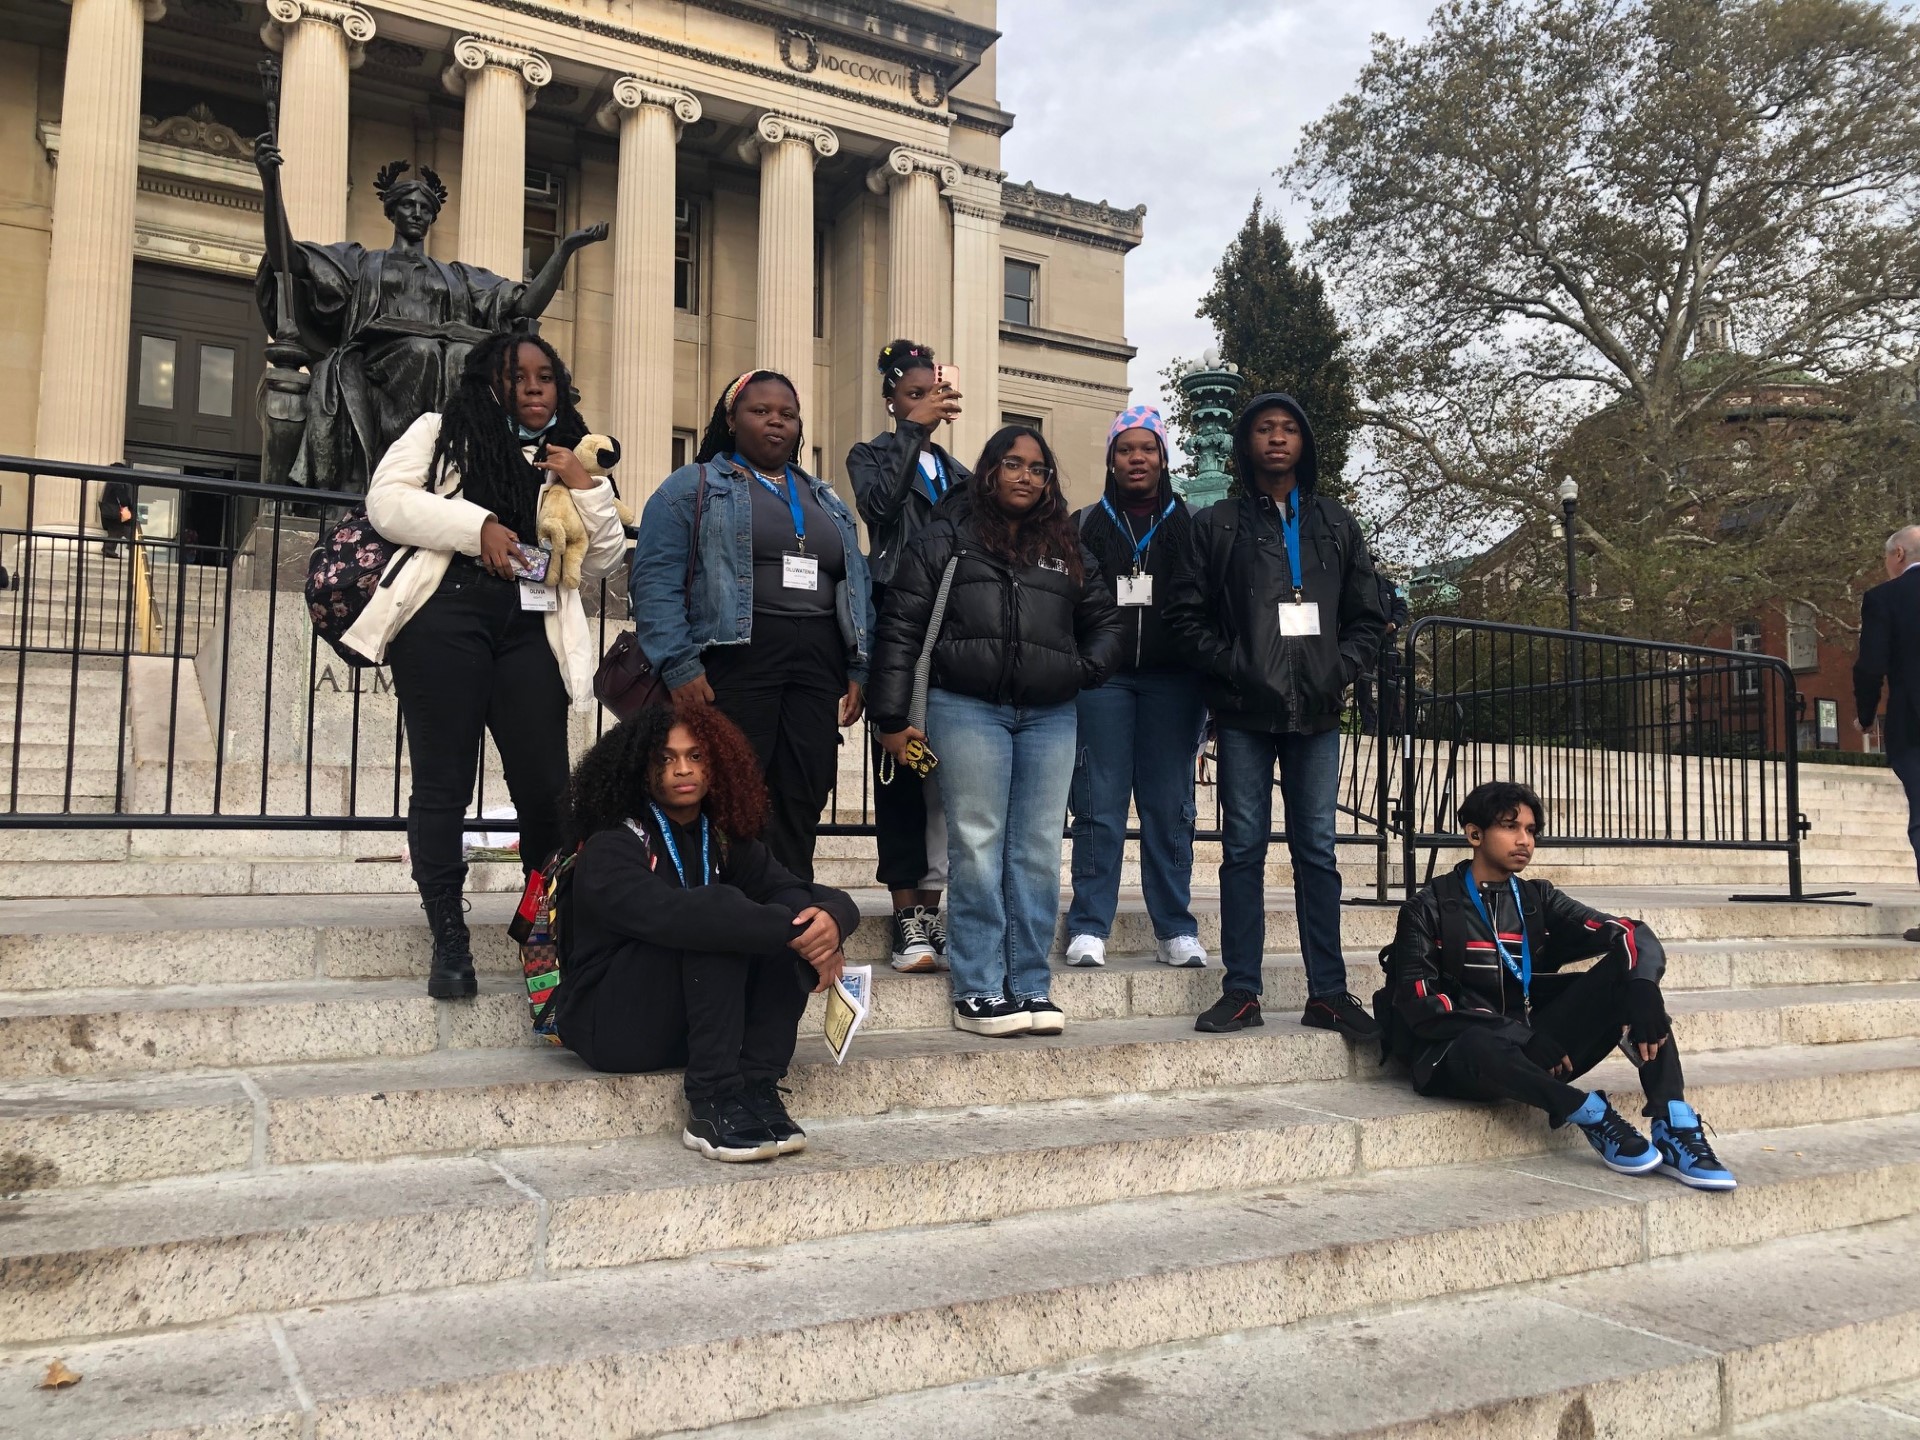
(898, 359)
(614, 779)
(478, 438)
(720, 439)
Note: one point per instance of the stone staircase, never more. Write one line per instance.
(264, 1187)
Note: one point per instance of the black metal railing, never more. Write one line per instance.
(1635, 743)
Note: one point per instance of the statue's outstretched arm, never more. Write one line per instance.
(541, 289)
(283, 256)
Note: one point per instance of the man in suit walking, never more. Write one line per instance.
(1890, 654)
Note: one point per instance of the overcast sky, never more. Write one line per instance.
(1184, 107)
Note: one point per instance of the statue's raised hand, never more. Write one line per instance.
(579, 239)
(266, 155)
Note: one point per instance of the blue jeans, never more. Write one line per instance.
(1310, 787)
(1138, 736)
(1905, 763)
(1004, 773)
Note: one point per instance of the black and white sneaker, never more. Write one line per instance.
(723, 1128)
(912, 946)
(937, 933)
(1048, 1018)
(998, 1016)
(763, 1098)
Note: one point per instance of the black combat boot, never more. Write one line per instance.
(451, 977)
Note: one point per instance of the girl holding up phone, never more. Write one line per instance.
(898, 479)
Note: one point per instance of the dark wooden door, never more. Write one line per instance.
(196, 357)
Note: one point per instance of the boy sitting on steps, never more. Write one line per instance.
(1473, 1001)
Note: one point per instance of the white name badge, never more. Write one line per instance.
(1136, 589)
(1301, 619)
(535, 596)
(800, 572)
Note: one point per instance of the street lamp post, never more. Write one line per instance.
(1213, 385)
(1569, 503)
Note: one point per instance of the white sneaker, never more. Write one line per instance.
(1086, 951)
(1184, 952)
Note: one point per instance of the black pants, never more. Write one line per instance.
(472, 658)
(784, 690)
(1905, 763)
(730, 1019)
(1584, 1012)
(900, 823)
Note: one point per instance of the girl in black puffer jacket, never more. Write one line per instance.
(1026, 625)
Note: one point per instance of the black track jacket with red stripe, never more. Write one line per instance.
(1436, 998)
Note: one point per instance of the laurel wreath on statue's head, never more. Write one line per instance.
(390, 185)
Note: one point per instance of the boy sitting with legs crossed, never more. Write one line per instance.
(1475, 1002)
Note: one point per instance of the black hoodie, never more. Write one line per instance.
(1225, 609)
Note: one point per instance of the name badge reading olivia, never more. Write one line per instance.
(1300, 619)
(800, 572)
(1136, 590)
(537, 597)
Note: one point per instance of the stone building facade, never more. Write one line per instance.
(790, 183)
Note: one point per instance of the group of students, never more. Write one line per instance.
(1019, 663)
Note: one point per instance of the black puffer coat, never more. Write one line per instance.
(1013, 634)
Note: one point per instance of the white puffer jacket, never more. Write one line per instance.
(406, 512)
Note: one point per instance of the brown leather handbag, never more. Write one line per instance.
(627, 682)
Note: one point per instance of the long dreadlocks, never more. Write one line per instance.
(478, 438)
(719, 439)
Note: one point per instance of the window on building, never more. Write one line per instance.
(1022, 288)
(545, 220)
(1032, 422)
(819, 284)
(686, 256)
(216, 380)
(1747, 640)
(1803, 637)
(158, 355)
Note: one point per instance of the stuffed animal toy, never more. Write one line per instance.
(561, 530)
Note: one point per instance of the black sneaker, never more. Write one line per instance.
(1340, 1012)
(1048, 1018)
(763, 1098)
(998, 1016)
(723, 1128)
(1235, 1010)
(937, 933)
(912, 946)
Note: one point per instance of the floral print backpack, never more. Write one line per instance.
(345, 569)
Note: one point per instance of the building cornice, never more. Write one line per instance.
(1071, 344)
(1091, 222)
(1040, 379)
(988, 119)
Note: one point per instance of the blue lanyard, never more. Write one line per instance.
(673, 849)
(791, 496)
(940, 473)
(1140, 545)
(1290, 531)
(1523, 972)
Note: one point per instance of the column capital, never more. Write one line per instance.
(356, 24)
(152, 11)
(902, 163)
(635, 92)
(776, 129)
(474, 53)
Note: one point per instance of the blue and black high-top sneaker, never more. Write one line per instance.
(1619, 1145)
(1684, 1152)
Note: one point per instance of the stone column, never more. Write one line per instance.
(84, 342)
(498, 82)
(648, 117)
(320, 41)
(975, 203)
(919, 282)
(785, 149)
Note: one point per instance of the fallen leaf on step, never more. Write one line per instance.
(741, 1265)
(58, 1377)
(1769, 1147)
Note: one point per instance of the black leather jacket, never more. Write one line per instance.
(1225, 611)
(1433, 998)
(891, 491)
(1013, 634)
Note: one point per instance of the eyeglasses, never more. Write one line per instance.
(1011, 466)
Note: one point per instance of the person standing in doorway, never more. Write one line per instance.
(1140, 731)
(116, 515)
(1280, 611)
(898, 477)
(774, 629)
(1016, 621)
(1889, 658)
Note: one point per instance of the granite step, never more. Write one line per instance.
(676, 1344)
(105, 1260)
(1689, 1348)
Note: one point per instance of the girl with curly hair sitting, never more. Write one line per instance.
(689, 943)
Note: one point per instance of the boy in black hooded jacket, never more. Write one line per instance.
(1279, 610)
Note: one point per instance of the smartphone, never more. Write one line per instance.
(920, 759)
(532, 562)
(947, 377)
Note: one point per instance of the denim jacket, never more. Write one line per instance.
(675, 626)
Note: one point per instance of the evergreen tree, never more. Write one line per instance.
(1272, 319)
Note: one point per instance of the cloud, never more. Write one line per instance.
(1188, 109)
